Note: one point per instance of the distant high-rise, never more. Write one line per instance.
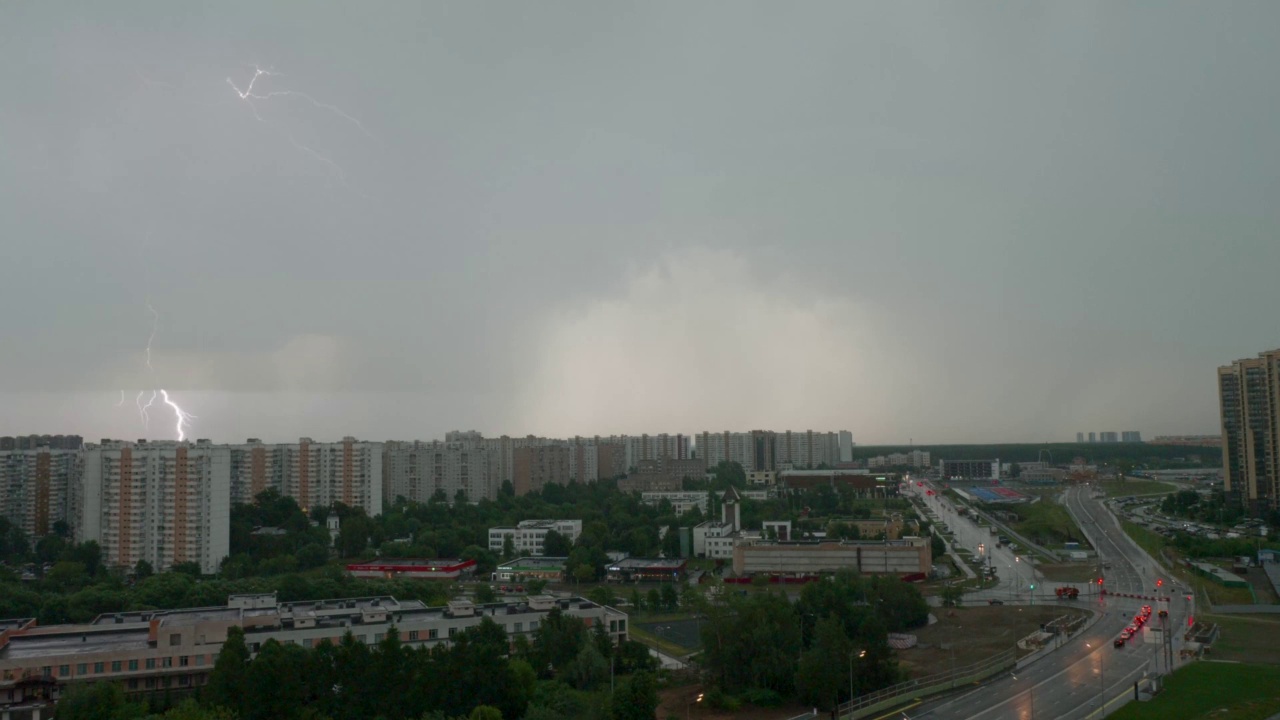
(165, 502)
(1079, 437)
(1248, 400)
(763, 450)
(1108, 437)
(33, 487)
(1093, 437)
(1131, 436)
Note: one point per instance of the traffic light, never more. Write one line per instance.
(1159, 582)
(1099, 581)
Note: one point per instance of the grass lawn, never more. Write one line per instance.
(1046, 523)
(659, 641)
(973, 633)
(1212, 690)
(1069, 572)
(1136, 487)
(1246, 638)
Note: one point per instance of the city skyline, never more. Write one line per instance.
(436, 216)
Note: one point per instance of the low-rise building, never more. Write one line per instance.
(523, 569)
(969, 469)
(902, 557)
(174, 650)
(646, 569)
(681, 502)
(528, 536)
(713, 539)
(413, 568)
(863, 484)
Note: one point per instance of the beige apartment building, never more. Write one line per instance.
(163, 502)
(174, 651)
(1249, 400)
(34, 486)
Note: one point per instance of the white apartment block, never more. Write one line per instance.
(312, 473)
(528, 535)
(163, 502)
(416, 470)
(761, 450)
(34, 486)
(584, 462)
(915, 459)
(681, 502)
(714, 539)
(806, 449)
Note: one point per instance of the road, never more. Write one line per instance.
(1071, 683)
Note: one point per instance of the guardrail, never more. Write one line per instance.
(894, 695)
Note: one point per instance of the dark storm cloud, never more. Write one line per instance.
(913, 220)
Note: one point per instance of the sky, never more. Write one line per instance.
(920, 222)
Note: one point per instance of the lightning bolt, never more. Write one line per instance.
(146, 419)
(184, 417)
(155, 326)
(121, 399)
(249, 95)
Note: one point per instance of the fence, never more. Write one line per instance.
(897, 694)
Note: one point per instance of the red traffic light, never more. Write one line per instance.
(1159, 582)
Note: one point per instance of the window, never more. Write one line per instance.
(184, 681)
(133, 664)
(183, 661)
(413, 635)
(453, 631)
(377, 637)
(199, 660)
(115, 666)
(166, 662)
(151, 663)
(82, 669)
(133, 683)
(64, 670)
(433, 633)
(151, 683)
(533, 625)
(307, 642)
(175, 639)
(99, 668)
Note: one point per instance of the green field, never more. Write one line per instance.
(1246, 638)
(1046, 523)
(1136, 487)
(1212, 690)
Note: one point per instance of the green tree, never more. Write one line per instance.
(485, 594)
(556, 545)
(636, 698)
(97, 701)
(230, 676)
(557, 640)
(584, 573)
(508, 548)
(485, 712)
(952, 595)
(653, 600)
(142, 570)
(353, 535)
(670, 597)
(671, 542)
(588, 668)
(822, 671)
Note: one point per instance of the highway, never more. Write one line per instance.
(1072, 682)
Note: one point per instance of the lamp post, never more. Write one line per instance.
(1032, 690)
(689, 706)
(860, 654)
(1102, 683)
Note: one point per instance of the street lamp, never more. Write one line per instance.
(1033, 696)
(1102, 683)
(861, 654)
(689, 706)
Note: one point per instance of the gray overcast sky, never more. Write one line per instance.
(940, 222)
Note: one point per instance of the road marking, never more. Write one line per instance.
(899, 710)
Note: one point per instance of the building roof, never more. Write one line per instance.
(535, 563)
(412, 564)
(648, 564)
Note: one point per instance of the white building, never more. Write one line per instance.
(34, 485)
(846, 446)
(312, 473)
(681, 502)
(163, 502)
(528, 536)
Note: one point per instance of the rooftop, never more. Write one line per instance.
(542, 563)
(648, 564)
(413, 562)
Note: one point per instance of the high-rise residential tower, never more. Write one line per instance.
(1249, 400)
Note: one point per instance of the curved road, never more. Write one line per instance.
(1073, 681)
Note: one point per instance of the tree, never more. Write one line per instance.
(557, 640)
(821, 674)
(353, 535)
(485, 594)
(584, 573)
(508, 548)
(670, 598)
(142, 570)
(952, 595)
(654, 600)
(312, 555)
(485, 712)
(671, 542)
(97, 701)
(937, 546)
(637, 604)
(588, 668)
(636, 698)
(230, 676)
(556, 545)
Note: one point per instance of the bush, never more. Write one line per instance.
(721, 700)
(762, 697)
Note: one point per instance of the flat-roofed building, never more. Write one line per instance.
(162, 502)
(529, 536)
(646, 569)
(681, 501)
(174, 651)
(34, 486)
(413, 569)
(524, 569)
(901, 557)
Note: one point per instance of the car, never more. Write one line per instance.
(1164, 613)
(505, 589)
(519, 588)
(994, 601)
(1119, 642)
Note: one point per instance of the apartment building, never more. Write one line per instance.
(174, 651)
(1131, 436)
(908, 556)
(163, 502)
(760, 450)
(1249, 400)
(35, 442)
(34, 485)
(312, 473)
(529, 536)
(417, 470)
(534, 467)
(1108, 437)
